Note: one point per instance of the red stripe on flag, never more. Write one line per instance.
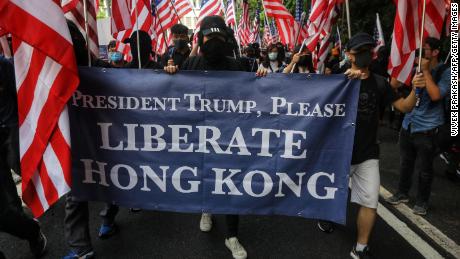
(61, 147)
(27, 89)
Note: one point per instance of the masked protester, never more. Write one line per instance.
(274, 63)
(116, 59)
(248, 60)
(145, 51)
(180, 50)
(76, 220)
(302, 61)
(364, 171)
(13, 220)
(215, 45)
(420, 129)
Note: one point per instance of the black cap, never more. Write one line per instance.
(359, 40)
(213, 24)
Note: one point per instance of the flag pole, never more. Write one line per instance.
(137, 37)
(302, 19)
(300, 51)
(347, 6)
(85, 12)
(175, 11)
(419, 68)
(340, 40)
(266, 22)
(448, 56)
(161, 27)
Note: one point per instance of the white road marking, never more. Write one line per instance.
(431, 231)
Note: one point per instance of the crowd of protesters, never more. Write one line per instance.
(422, 137)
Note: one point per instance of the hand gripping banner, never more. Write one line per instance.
(219, 142)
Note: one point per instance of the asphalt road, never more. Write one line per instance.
(150, 234)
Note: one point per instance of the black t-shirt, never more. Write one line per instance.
(178, 57)
(248, 64)
(8, 99)
(375, 92)
(200, 63)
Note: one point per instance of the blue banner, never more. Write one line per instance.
(219, 142)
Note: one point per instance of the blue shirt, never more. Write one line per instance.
(429, 115)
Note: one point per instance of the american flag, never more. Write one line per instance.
(158, 34)
(208, 8)
(267, 38)
(74, 11)
(230, 14)
(3, 32)
(300, 29)
(324, 49)
(143, 22)
(255, 27)
(244, 31)
(46, 77)
(322, 17)
(378, 35)
(183, 7)
(5, 47)
(435, 13)
(404, 42)
(284, 20)
(165, 15)
(270, 34)
(121, 15)
(276, 9)
(298, 10)
(406, 33)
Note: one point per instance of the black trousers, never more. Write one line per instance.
(13, 220)
(232, 222)
(417, 151)
(76, 225)
(109, 213)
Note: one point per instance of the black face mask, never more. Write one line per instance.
(180, 44)
(363, 59)
(213, 50)
(304, 61)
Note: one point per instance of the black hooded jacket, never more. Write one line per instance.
(8, 99)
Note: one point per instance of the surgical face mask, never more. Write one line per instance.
(273, 56)
(363, 59)
(116, 56)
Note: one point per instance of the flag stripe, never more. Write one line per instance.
(40, 10)
(34, 29)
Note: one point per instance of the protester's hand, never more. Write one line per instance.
(170, 62)
(355, 74)
(425, 64)
(295, 58)
(261, 72)
(171, 69)
(419, 81)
